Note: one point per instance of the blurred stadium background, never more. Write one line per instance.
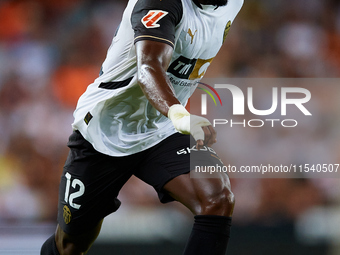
(51, 50)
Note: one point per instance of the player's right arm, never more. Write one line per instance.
(152, 61)
(154, 24)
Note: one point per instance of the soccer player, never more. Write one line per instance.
(132, 121)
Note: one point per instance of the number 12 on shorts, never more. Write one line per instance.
(70, 197)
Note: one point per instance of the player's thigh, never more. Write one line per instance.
(167, 167)
(201, 191)
(164, 162)
(198, 186)
(203, 195)
(89, 187)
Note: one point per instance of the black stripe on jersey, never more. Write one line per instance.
(115, 84)
(165, 32)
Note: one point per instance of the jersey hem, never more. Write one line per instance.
(109, 152)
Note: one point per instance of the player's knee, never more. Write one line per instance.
(219, 203)
(70, 248)
(71, 245)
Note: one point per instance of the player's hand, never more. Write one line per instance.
(200, 128)
(209, 137)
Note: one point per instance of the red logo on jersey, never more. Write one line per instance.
(152, 17)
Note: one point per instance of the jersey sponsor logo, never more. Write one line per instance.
(182, 67)
(192, 35)
(185, 68)
(152, 17)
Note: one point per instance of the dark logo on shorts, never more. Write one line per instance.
(67, 214)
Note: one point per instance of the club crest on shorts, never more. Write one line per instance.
(152, 17)
(67, 214)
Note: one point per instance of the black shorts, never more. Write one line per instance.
(91, 181)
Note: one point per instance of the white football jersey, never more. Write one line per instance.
(113, 114)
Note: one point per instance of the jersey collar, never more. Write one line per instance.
(204, 7)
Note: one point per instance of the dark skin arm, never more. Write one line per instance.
(153, 59)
